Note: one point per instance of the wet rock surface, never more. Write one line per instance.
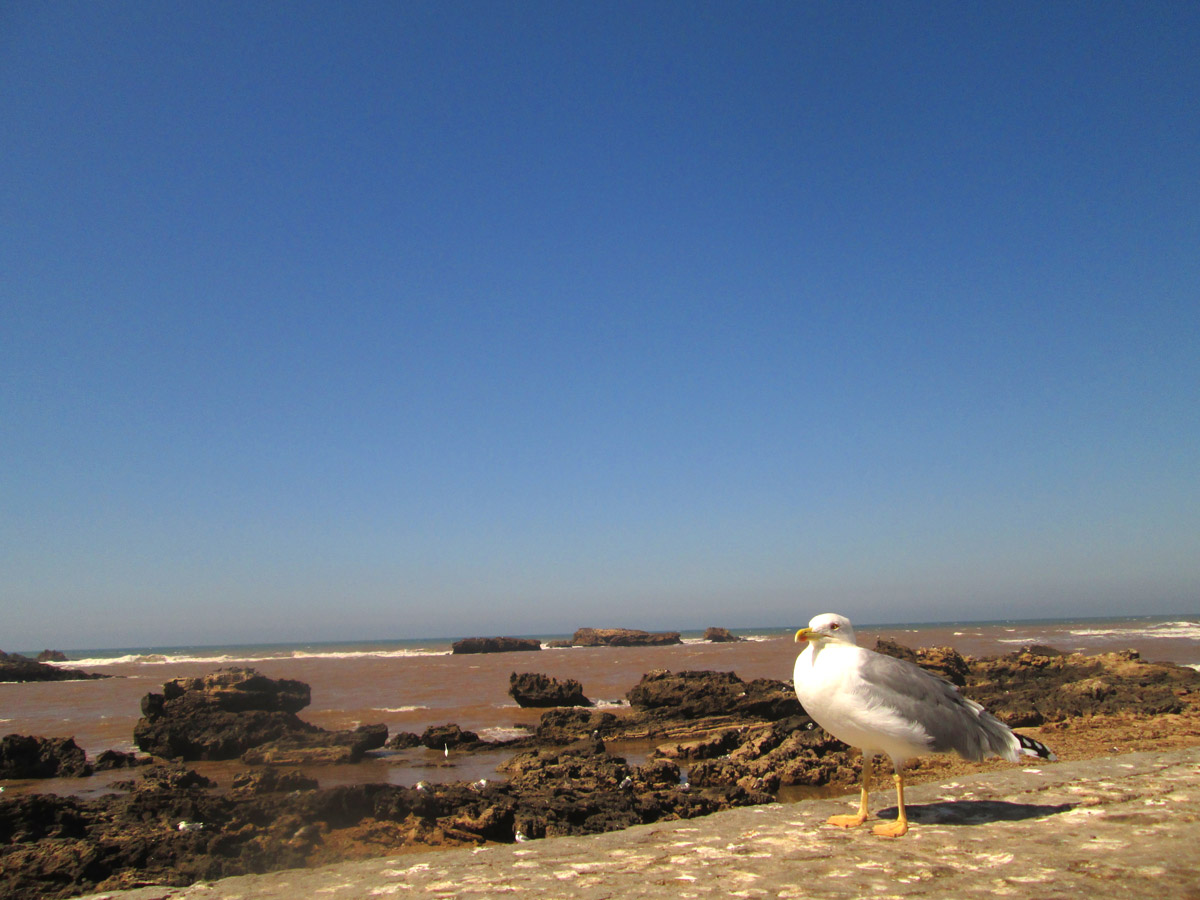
(238, 711)
(1039, 685)
(28, 756)
(533, 689)
(174, 827)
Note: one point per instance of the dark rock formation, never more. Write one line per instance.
(535, 689)
(272, 781)
(1026, 688)
(24, 756)
(1037, 685)
(566, 726)
(622, 637)
(47, 656)
(584, 790)
(321, 748)
(721, 636)
(690, 695)
(443, 737)
(15, 667)
(239, 690)
(495, 645)
(792, 751)
(116, 759)
(171, 828)
(240, 711)
(403, 740)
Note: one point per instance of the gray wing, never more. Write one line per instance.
(954, 723)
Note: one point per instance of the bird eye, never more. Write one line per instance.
(834, 627)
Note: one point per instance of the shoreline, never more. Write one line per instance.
(1079, 828)
(735, 744)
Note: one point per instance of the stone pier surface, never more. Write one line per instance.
(1125, 825)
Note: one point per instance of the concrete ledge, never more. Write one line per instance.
(1105, 827)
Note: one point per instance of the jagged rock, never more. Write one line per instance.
(690, 695)
(535, 689)
(440, 737)
(51, 656)
(26, 756)
(116, 759)
(708, 746)
(238, 689)
(272, 781)
(721, 636)
(319, 749)
(623, 637)
(1031, 687)
(564, 726)
(15, 667)
(791, 751)
(233, 711)
(403, 740)
(495, 645)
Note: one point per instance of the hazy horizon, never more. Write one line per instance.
(321, 322)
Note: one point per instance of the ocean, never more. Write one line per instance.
(411, 685)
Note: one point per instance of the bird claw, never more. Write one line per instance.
(891, 829)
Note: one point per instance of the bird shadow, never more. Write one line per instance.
(975, 812)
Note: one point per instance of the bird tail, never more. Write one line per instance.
(1030, 747)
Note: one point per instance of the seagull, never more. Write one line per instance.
(885, 705)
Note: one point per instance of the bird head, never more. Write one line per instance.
(827, 627)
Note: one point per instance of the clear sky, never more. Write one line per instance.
(380, 320)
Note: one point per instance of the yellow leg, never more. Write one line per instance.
(855, 820)
(900, 826)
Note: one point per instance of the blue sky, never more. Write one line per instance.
(375, 320)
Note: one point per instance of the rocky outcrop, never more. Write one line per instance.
(240, 711)
(15, 667)
(47, 656)
(621, 637)
(693, 695)
(117, 759)
(26, 756)
(495, 645)
(533, 689)
(321, 748)
(173, 828)
(721, 636)
(448, 737)
(1037, 685)
(1026, 688)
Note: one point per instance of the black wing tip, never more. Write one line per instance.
(1030, 747)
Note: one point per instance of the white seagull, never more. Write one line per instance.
(885, 705)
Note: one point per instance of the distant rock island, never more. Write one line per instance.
(721, 636)
(495, 645)
(619, 637)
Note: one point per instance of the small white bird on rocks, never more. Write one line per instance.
(885, 705)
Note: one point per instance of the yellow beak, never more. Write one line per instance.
(803, 635)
